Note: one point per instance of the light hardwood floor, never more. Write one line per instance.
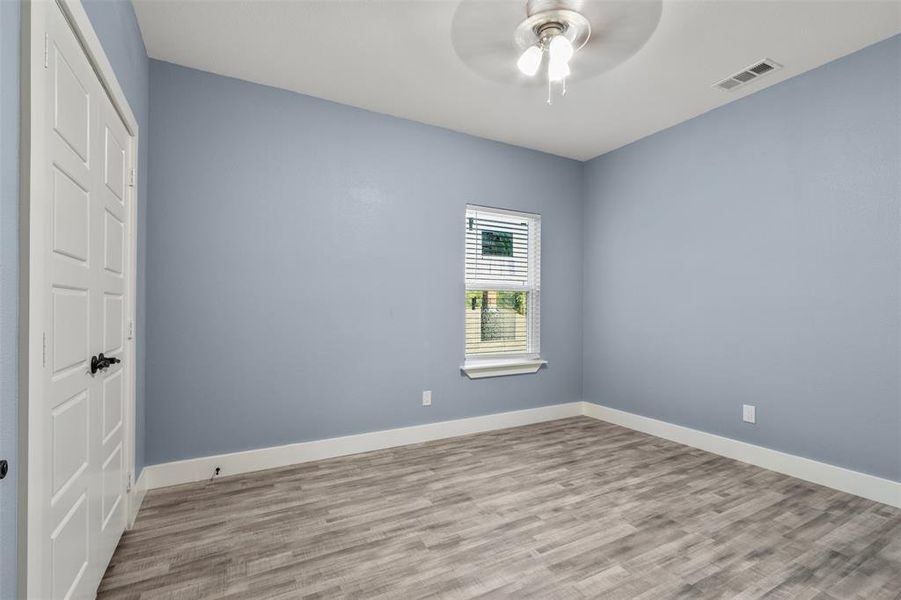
(575, 508)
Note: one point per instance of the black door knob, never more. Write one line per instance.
(101, 362)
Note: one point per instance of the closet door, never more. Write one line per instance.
(82, 412)
(112, 138)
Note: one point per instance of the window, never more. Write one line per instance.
(503, 285)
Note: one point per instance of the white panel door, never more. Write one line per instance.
(83, 413)
(110, 241)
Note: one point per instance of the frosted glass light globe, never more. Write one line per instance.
(529, 61)
(560, 49)
(557, 70)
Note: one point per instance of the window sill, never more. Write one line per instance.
(478, 369)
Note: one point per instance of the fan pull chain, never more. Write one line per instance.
(549, 91)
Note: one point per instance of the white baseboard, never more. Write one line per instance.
(198, 469)
(839, 478)
(136, 497)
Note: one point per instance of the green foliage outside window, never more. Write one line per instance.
(497, 243)
(477, 300)
(495, 312)
(512, 300)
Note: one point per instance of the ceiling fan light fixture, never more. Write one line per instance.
(557, 70)
(556, 28)
(560, 49)
(529, 61)
(481, 37)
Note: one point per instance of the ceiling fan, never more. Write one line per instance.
(561, 39)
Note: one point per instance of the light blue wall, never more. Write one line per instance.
(9, 257)
(117, 27)
(305, 268)
(753, 255)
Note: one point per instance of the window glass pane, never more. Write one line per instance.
(497, 250)
(497, 243)
(496, 322)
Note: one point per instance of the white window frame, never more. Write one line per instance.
(478, 366)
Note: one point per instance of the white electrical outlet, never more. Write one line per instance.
(427, 398)
(748, 413)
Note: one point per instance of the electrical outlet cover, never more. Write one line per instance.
(749, 413)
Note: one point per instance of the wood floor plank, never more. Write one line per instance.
(569, 509)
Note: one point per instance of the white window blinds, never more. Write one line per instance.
(503, 284)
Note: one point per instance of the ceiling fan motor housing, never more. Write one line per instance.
(547, 18)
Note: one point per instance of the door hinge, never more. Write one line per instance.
(131, 329)
(44, 349)
(128, 483)
(46, 50)
(131, 178)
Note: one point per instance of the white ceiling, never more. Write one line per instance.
(396, 57)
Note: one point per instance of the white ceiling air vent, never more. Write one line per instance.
(758, 69)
